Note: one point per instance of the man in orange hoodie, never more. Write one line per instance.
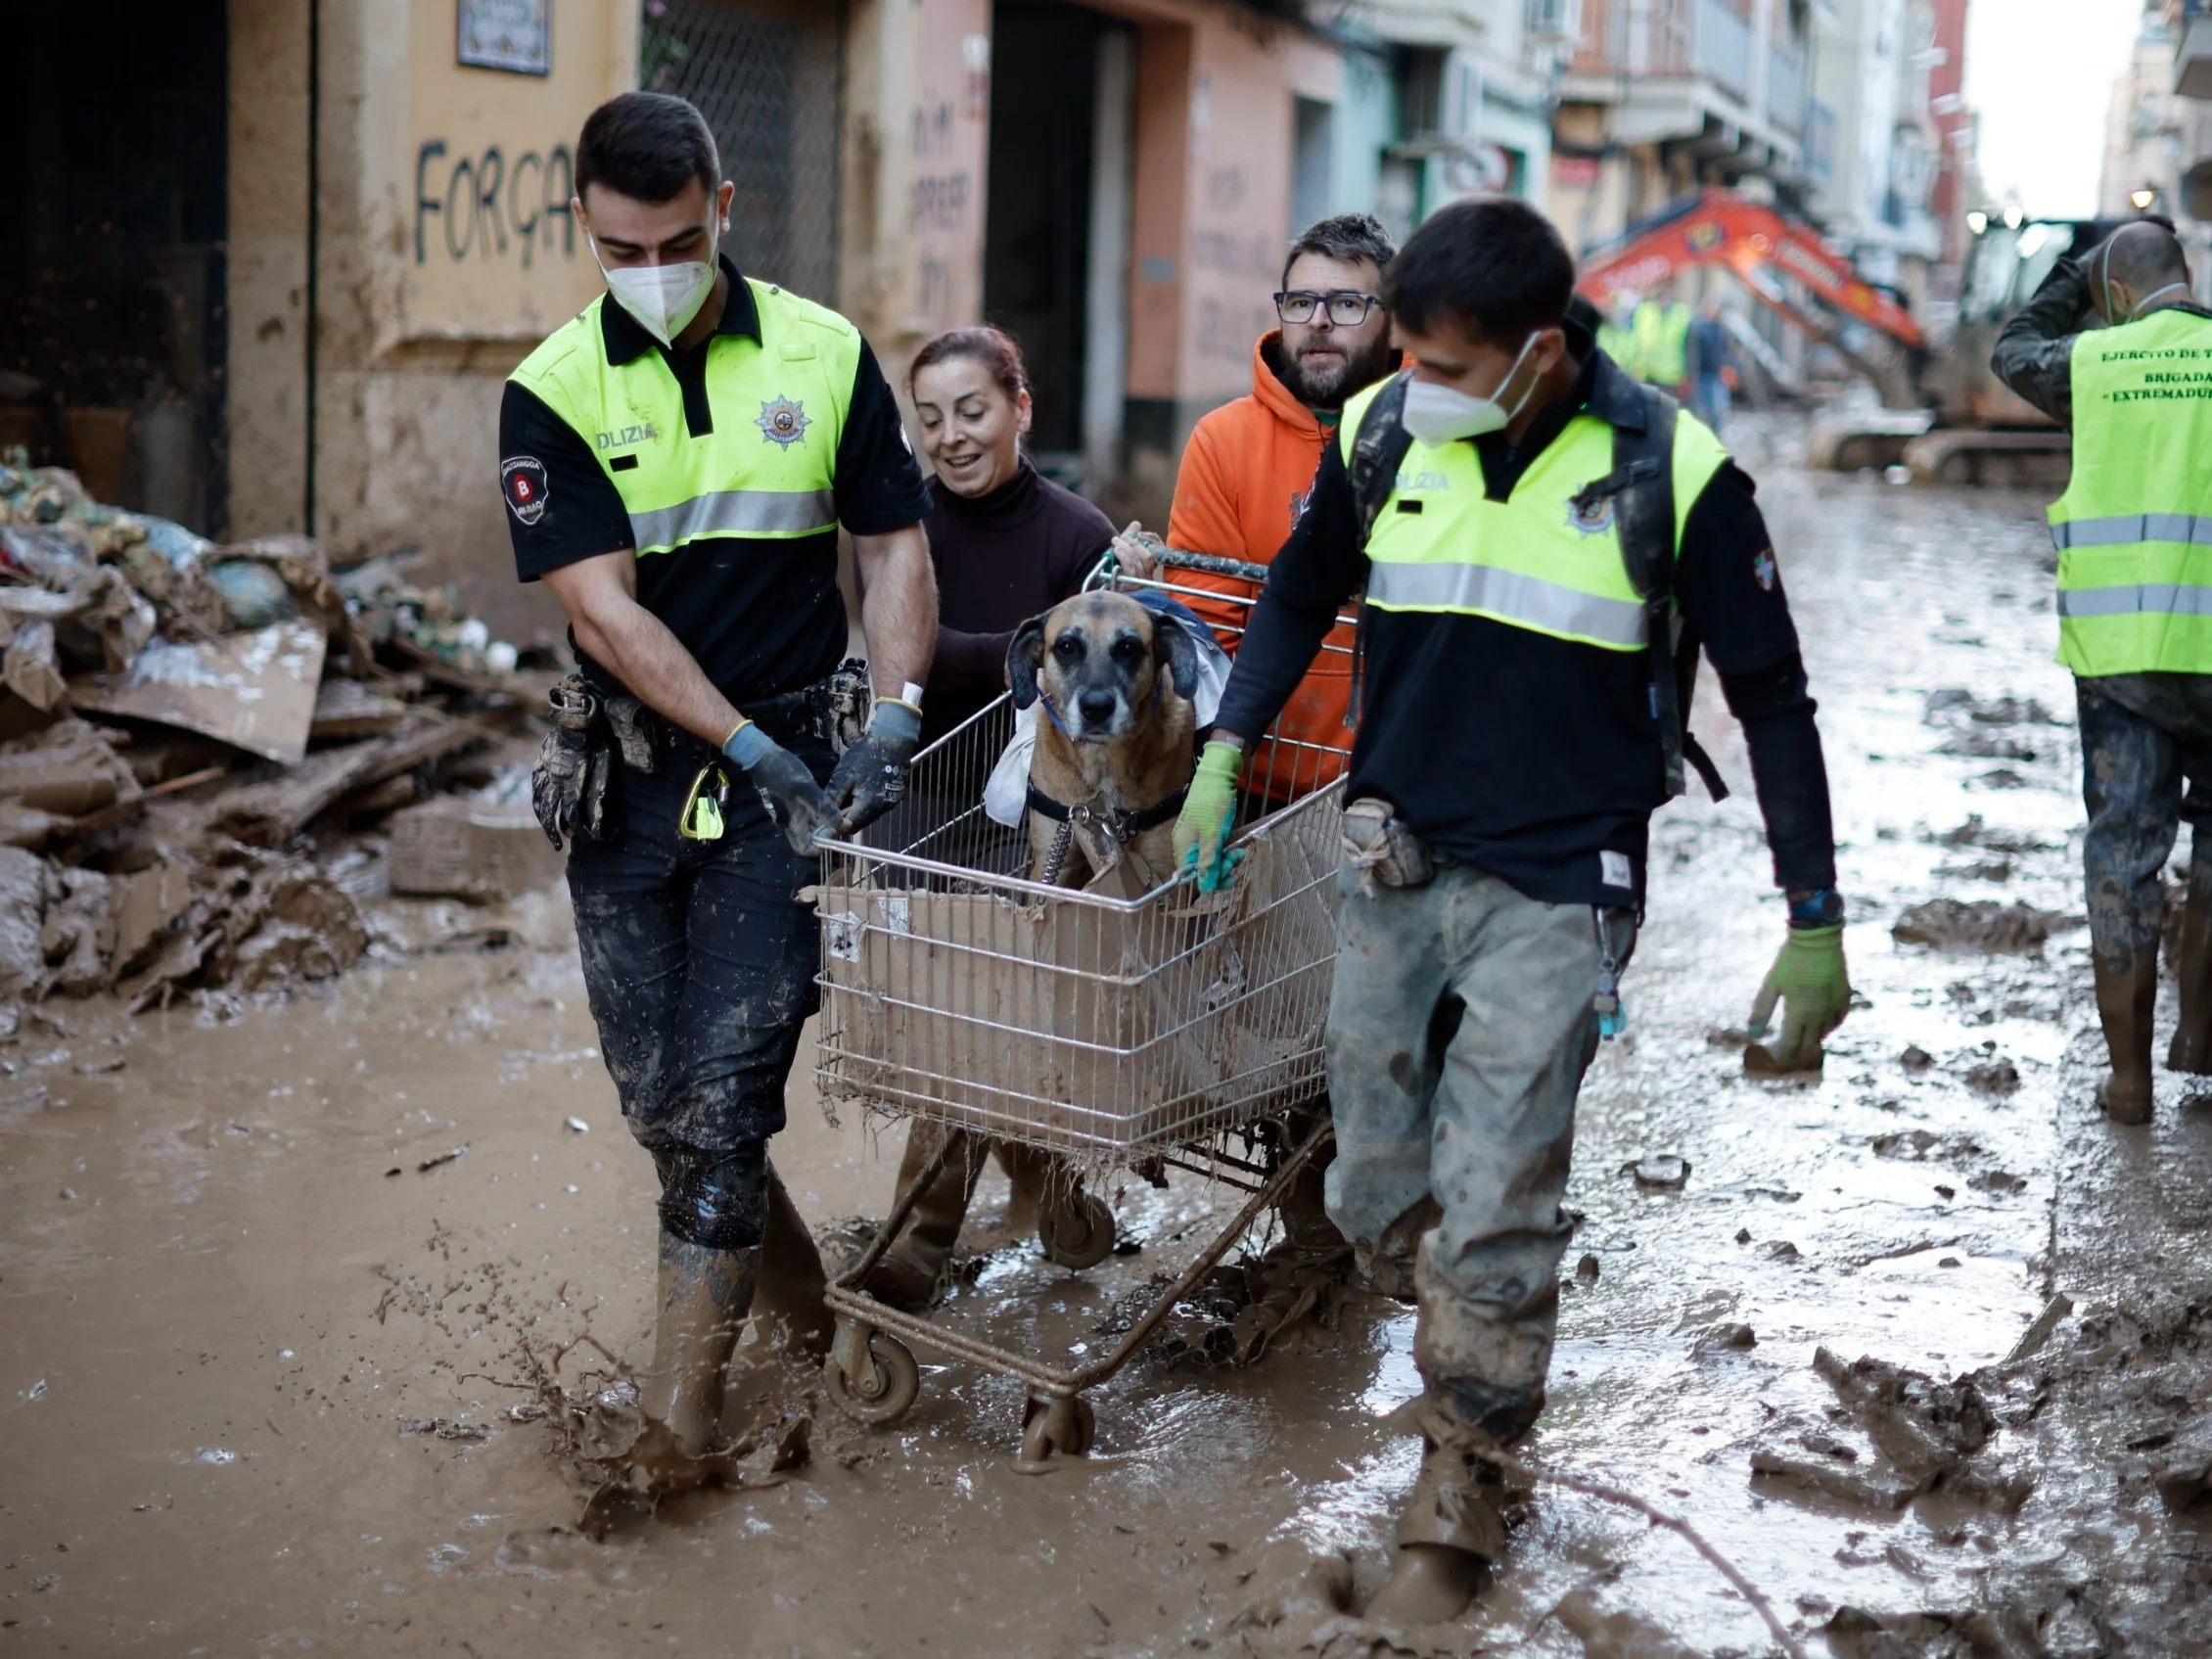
(1244, 478)
(1249, 464)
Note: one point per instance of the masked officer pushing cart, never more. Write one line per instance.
(675, 463)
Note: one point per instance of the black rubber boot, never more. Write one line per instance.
(2127, 1000)
(2191, 1048)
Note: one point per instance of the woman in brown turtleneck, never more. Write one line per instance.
(1008, 543)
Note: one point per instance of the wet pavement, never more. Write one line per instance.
(270, 1287)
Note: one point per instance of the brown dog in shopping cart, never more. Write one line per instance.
(1115, 748)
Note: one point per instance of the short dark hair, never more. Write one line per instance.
(1347, 237)
(1496, 267)
(647, 146)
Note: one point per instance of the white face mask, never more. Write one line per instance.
(664, 299)
(1439, 414)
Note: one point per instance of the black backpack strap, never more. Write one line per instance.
(1641, 486)
(1378, 449)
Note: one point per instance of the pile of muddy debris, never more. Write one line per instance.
(204, 748)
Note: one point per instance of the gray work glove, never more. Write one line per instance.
(788, 790)
(871, 776)
(568, 789)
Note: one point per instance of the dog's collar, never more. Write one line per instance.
(1121, 826)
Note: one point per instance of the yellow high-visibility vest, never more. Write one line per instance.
(1660, 342)
(1536, 560)
(770, 475)
(2134, 528)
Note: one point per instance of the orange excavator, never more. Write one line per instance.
(1946, 415)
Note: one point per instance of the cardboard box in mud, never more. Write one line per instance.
(1103, 1028)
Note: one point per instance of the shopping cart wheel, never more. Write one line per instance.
(1078, 1233)
(1053, 1424)
(871, 1376)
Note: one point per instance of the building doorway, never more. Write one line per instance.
(112, 280)
(1056, 226)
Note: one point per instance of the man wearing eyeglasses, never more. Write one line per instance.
(1245, 477)
(1249, 464)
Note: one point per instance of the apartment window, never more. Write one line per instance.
(1312, 125)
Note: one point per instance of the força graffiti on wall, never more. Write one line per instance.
(494, 204)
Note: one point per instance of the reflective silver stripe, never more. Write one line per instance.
(2136, 526)
(2155, 599)
(1510, 596)
(735, 512)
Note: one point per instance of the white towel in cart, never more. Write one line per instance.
(1006, 797)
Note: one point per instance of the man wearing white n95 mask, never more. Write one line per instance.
(676, 465)
(1528, 523)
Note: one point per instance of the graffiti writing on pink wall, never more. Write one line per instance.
(941, 201)
(482, 207)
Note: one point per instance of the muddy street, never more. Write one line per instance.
(273, 1278)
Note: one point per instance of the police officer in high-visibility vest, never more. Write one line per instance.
(675, 463)
(1540, 523)
(1659, 337)
(2134, 614)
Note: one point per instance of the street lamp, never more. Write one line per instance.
(2143, 198)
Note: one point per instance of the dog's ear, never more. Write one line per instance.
(1024, 655)
(1174, 651)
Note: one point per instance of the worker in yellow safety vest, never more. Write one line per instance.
(676, 463)
(1659, 344)
(2134, 531)
(1544, 544)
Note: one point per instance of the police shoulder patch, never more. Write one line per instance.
(521, 480)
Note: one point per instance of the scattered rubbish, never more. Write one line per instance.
(1995, 1077)
(445, 1428)
(1950, 925)
(430, 1164)
(472, 849)
(185, 727)
(1664, 1171)
(578, 1125)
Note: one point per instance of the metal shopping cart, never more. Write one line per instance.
(1176, 1027)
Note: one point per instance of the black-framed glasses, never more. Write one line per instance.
(1346, 308)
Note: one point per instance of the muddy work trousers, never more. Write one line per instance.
(699, 961)
(1460, 1027)
(2142, 736)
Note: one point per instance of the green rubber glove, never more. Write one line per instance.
(1208, 810)
(1814, 986)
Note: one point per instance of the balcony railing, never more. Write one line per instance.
(1671, 39)
(1722, 47)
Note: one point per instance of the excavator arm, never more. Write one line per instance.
(1722, 228)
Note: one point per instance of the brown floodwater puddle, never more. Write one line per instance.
(269, 1292)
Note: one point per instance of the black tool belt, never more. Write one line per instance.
(833, 710)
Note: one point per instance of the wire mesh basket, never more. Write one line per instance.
(1109, 1029)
